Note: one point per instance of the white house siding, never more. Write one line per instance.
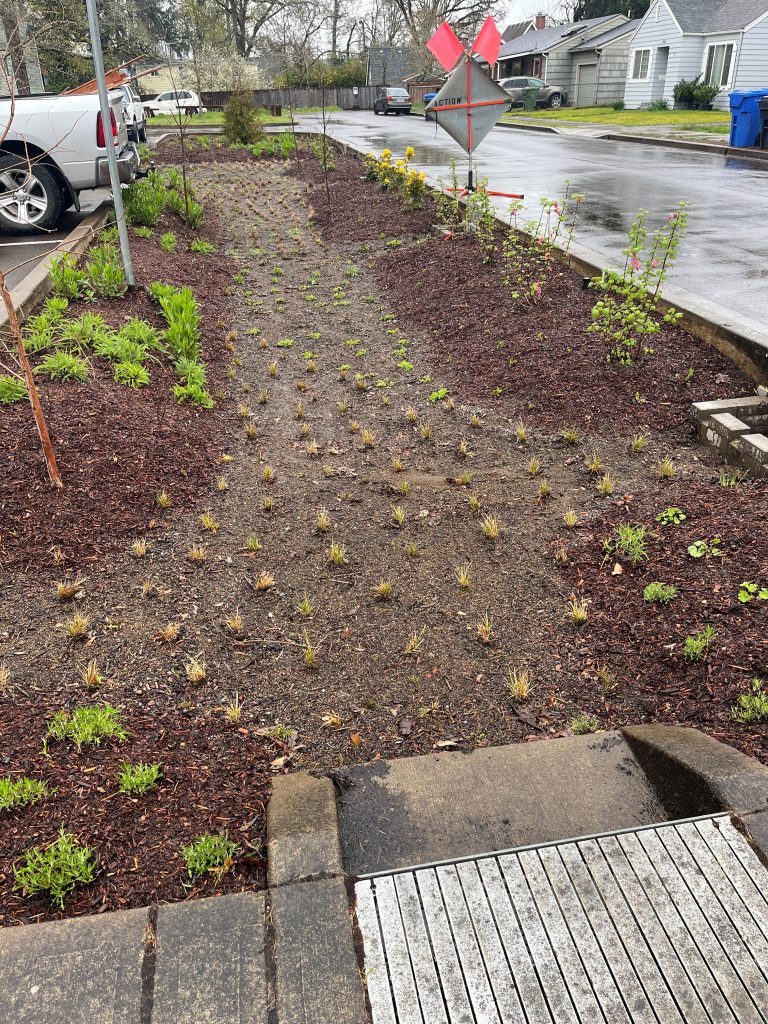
(752, 68)
(611, 71)
(684, 56)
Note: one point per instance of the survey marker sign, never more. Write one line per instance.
(468, 105)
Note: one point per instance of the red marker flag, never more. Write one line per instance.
(445, 46)
(488, 42)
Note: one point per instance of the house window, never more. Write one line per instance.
(536, 67)
(640, 63)
(719, 64)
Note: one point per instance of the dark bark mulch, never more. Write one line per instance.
(642, 644)
(215, 779)
(549, 368)
(354, 209)
(115, 446)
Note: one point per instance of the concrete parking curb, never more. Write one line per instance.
(694, 773)
(37, 283)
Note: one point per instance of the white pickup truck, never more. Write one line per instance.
(51, 149)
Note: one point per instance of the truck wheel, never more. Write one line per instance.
(143, 132)
(30, 198)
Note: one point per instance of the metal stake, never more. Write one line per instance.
(106, 120)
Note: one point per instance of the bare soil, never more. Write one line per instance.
(327, 667)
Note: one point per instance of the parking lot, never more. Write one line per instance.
(20, 254)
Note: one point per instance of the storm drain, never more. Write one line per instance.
(660, 925)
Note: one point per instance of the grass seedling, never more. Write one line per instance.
(571, 435)
(577, 611)
(354, 426)
(196, 554)
(475, 421)
(490, 527)
(411, 415)
(368, 438)
(310, 652)
(234, 623)
(594, 463)
(519, 683)
(534, 467)
(606, 678)
(605, 485)
(267, 474)
(222, 484)
(415, 641)
(398, 515)
(267, 504)
(463, 576)
(696, 646)
(252, 544)
(313, 450)
(233, 710)
(544, 489)
(195, 670)
(332, 720)
(666, 469)
(22, 792)
(322, 521)
(463, 450)
(169, 633)
(265, 581)
(425, 431)
(138, 779)
(464, 479)
(209, 853)
(412, 549)
(521, 432)
(485, 630)
(383, 590)
(639, 442)
(162, 500)
(55, 870)
(5, 677)
(305, 607)
(629, 543)
(337, 554)
(87, 726)
(570, 518)
(474, 503)
(659, 593)
(274, 368)
(77, 626)
(90, 675)
(67, 589)
(209, 522)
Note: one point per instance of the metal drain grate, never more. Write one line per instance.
(660, 925)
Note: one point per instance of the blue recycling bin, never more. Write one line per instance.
(746, 121)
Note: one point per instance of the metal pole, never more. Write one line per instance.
(106, 120)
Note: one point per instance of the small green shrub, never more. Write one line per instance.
(68, 282)
(658, 105)
(199, 245)
(12, 389)
(56, 869)
(208, 853)
(144, 200)
(87, 726)
(702, 548)
(63, 366)
(21, 792)
(617, 105)
(167, 241)
(628, 542)
(86, 330)
(140, 332)
(191, 372)
(659, 593)
(696, 646)
(134, 375)
(241, 121)
(105, 272)
(194, 394)
(752, 707)
(582, 724)
(137, 779)
(749, 591)
(671, 516)
(144, 232)
(183, 316)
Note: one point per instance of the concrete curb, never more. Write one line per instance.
(739, 337)
(302, 830)
(37, 283)
(693, 773)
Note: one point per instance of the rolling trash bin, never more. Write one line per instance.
(763, 105)
(746, 121)
(530, 95)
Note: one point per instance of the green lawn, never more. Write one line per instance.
(216, 117)
(693, 120)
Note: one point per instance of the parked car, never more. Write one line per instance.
(53, 148)
(549, 95)
(133, 114)
(390, 99)
(175, 102)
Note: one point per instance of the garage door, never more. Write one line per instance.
(586, 85)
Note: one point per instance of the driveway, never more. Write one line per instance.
(724, 257)
(25, 252)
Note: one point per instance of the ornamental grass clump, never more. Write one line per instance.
(87, 726)
(21, 792)
(209, 853)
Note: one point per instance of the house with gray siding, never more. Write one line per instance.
(726, 43)
(600, 67)
(546, 53)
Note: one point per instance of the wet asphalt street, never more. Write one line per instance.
(724, 256)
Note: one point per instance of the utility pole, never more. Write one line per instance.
(106, 120)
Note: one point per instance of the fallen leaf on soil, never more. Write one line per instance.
(405, 726)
